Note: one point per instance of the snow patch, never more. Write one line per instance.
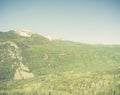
(25, 32)
(52, 37)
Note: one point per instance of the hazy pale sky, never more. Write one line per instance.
(89, 21)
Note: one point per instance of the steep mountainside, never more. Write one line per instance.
(31, 64)
(42, 56)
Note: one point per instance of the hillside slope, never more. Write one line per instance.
(44, 57)
(56, 67)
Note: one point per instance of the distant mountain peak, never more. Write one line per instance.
(25, 32)
(53, 37)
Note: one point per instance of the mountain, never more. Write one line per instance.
(31, 64)
(25, 32)
(52, 37)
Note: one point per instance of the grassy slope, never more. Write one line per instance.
(58, 56)
(67, 83)
(64, 68)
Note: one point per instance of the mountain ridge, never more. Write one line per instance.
(37, 66)
(43, 56)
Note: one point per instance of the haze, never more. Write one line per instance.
(87, 21)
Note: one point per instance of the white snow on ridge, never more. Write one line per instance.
(28, 33)
(51, 37)
(25, 32)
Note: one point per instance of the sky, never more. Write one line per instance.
(86, 21)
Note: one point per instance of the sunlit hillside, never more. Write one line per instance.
(35, 65)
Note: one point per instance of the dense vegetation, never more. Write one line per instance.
(67, 83)
(60, 67)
